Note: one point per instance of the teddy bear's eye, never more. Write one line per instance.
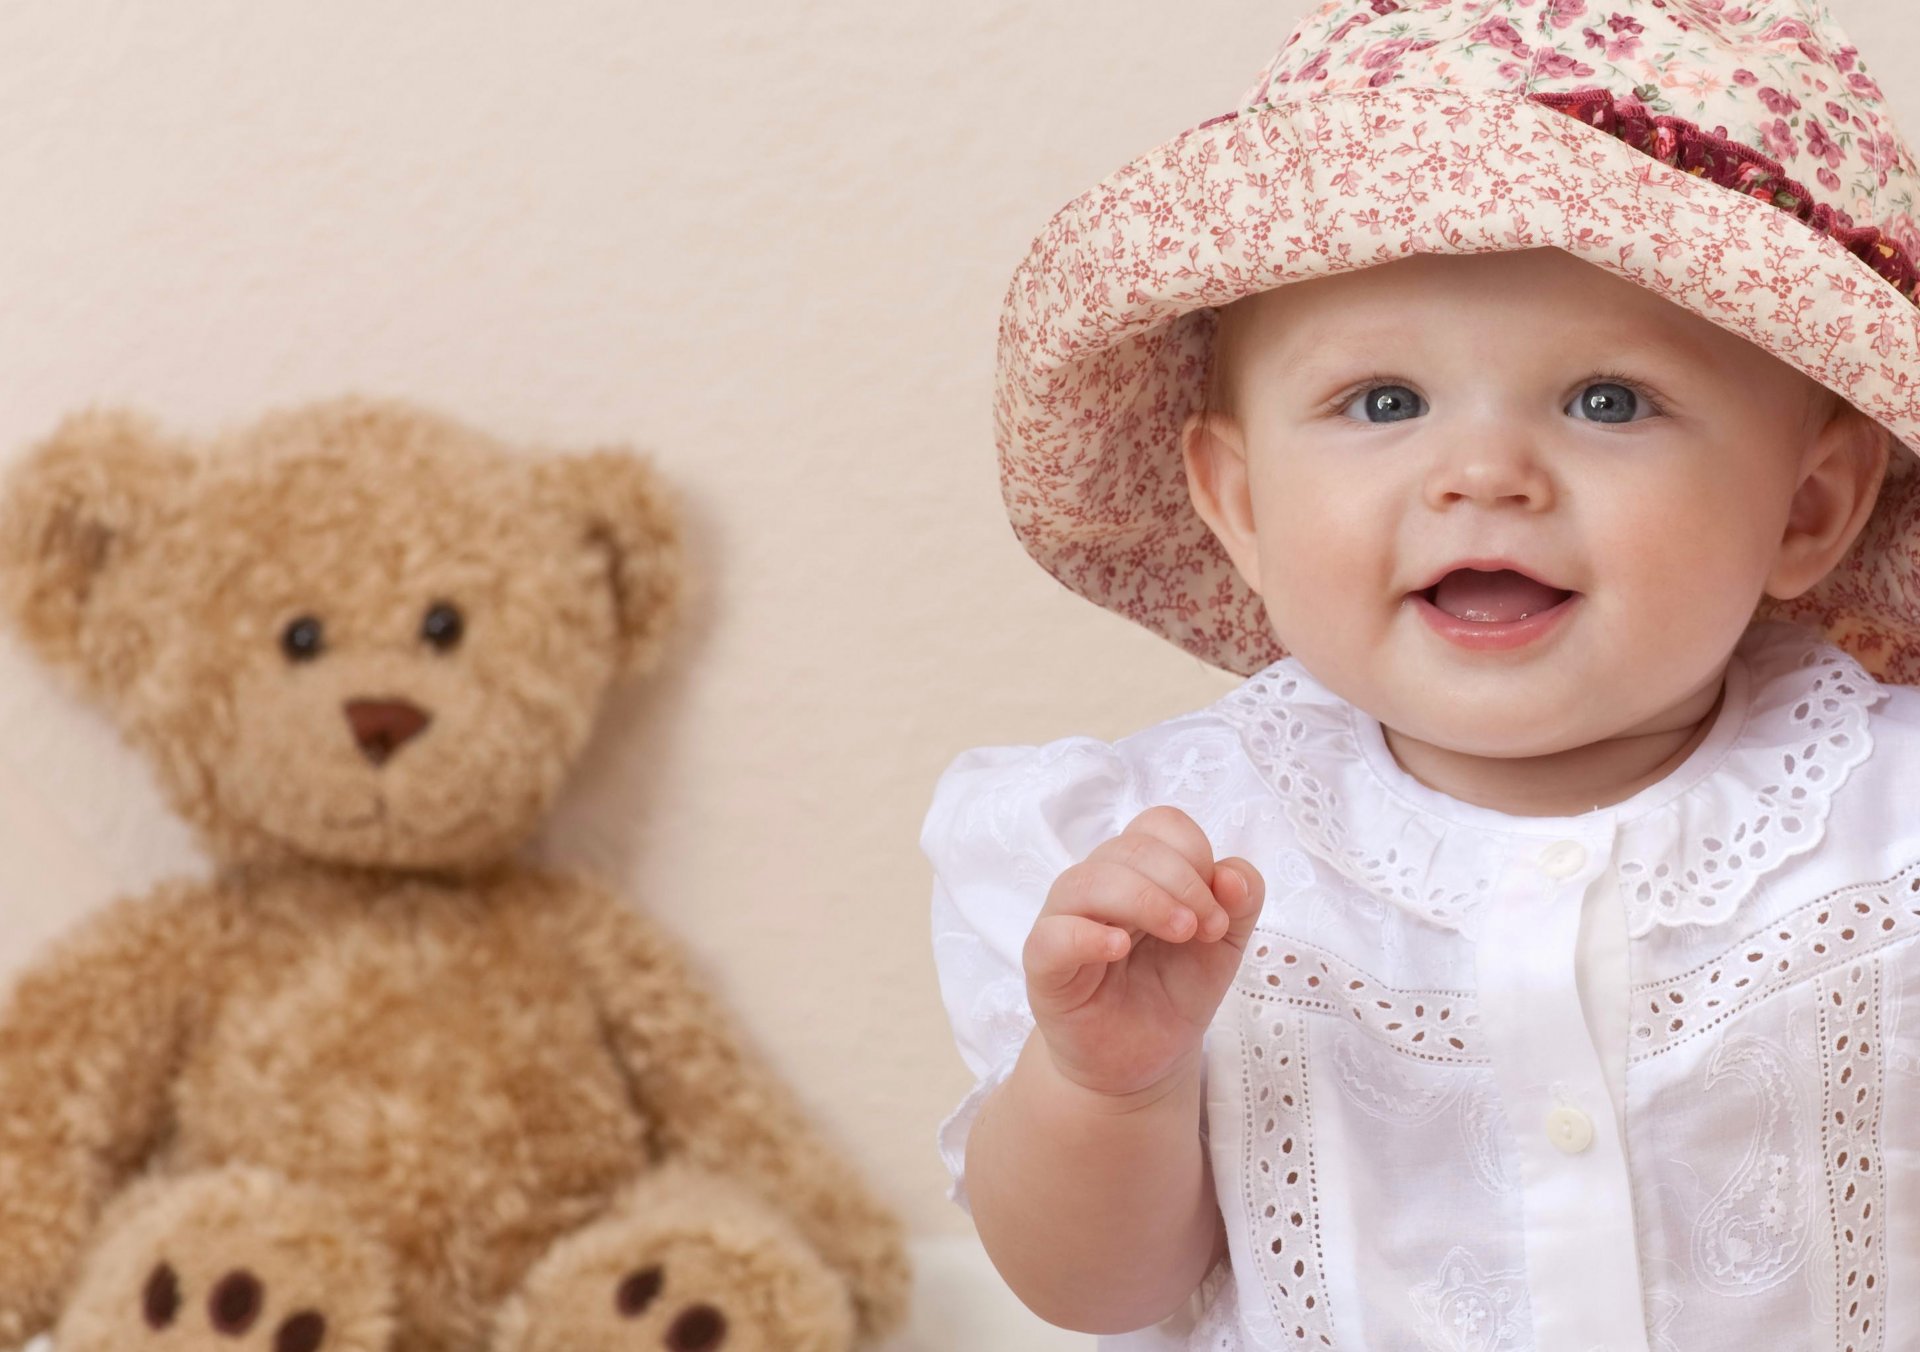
(443, 626)
(302, 639)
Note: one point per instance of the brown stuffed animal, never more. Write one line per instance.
(376, 1083)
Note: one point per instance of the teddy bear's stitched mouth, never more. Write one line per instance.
(379, 814)
(465, 826)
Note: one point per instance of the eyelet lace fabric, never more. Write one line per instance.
(1427, 1025)
(1814, 939)
(1738, 1180)
(1688, 860)
(1807, 731)
(1300, 736)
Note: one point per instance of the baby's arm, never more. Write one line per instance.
(1086, 1174)
(1098, 1212)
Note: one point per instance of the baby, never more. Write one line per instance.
(1515, 959)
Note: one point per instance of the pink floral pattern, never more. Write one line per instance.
(1779, 77)
(1732, 165)
(1678, 151)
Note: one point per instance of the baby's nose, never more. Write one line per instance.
(1501, 468)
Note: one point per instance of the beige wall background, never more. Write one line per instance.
(764, 242)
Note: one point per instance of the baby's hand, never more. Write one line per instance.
(1134, 950)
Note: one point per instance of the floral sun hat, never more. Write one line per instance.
(1736, 159)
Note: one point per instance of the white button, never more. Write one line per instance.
(1563, 858)
(1570, 1129)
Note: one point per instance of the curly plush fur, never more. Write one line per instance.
(378, 1083)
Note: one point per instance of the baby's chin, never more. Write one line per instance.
(1496, 716)
(1517, 737)
(1479, 710)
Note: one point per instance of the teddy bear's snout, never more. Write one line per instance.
(383, 726)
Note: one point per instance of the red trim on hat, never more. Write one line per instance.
(1731, 164)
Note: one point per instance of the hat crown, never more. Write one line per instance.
(1778, 77)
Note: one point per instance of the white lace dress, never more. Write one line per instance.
(1635, 1079)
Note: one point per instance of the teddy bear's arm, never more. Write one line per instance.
(712, 1101)
(90, 1038)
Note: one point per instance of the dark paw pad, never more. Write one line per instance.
(303, 1332)
(160, 1301)
(235, 1302)
(637, 1291)
(233, 1307)
(700, 1328)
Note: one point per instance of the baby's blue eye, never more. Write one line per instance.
(1392, 403)
(1608, 402)
(1604, 401)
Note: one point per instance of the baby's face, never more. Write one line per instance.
(1393, 422)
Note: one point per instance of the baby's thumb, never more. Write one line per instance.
(1242, 897)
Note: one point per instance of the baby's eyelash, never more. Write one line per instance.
(1340, 401)
(1658, 404)
(1347, 396)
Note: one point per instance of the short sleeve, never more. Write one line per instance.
(1005, 822)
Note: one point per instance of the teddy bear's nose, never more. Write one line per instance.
(383, 726)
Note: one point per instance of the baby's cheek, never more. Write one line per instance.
(1697, 560)
(1295, 569)
(1320, 607)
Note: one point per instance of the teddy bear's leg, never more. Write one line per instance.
(684, 1261)
(236, 1259)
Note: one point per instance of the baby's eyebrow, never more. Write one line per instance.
(1320, 356)
(1668, 340)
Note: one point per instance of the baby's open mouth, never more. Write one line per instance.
(1497, 597)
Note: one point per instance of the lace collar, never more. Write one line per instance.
(1753, 794)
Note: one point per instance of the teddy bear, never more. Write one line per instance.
(379, 1080)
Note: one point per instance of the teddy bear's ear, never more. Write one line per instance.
(76, 505)
(623, 506)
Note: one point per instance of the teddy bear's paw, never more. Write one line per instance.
(234, 1259)
(684, 1262)
(684, 1319)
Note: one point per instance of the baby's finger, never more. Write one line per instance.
(1242, 898)
(1140, 883)
(1183, 835)
(1060, 945)
(1178, 831)
(1151, 854)
(1100, 889)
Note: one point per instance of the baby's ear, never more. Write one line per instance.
(76, 507)
(623, 507)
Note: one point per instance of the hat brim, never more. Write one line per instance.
(1106, 327)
